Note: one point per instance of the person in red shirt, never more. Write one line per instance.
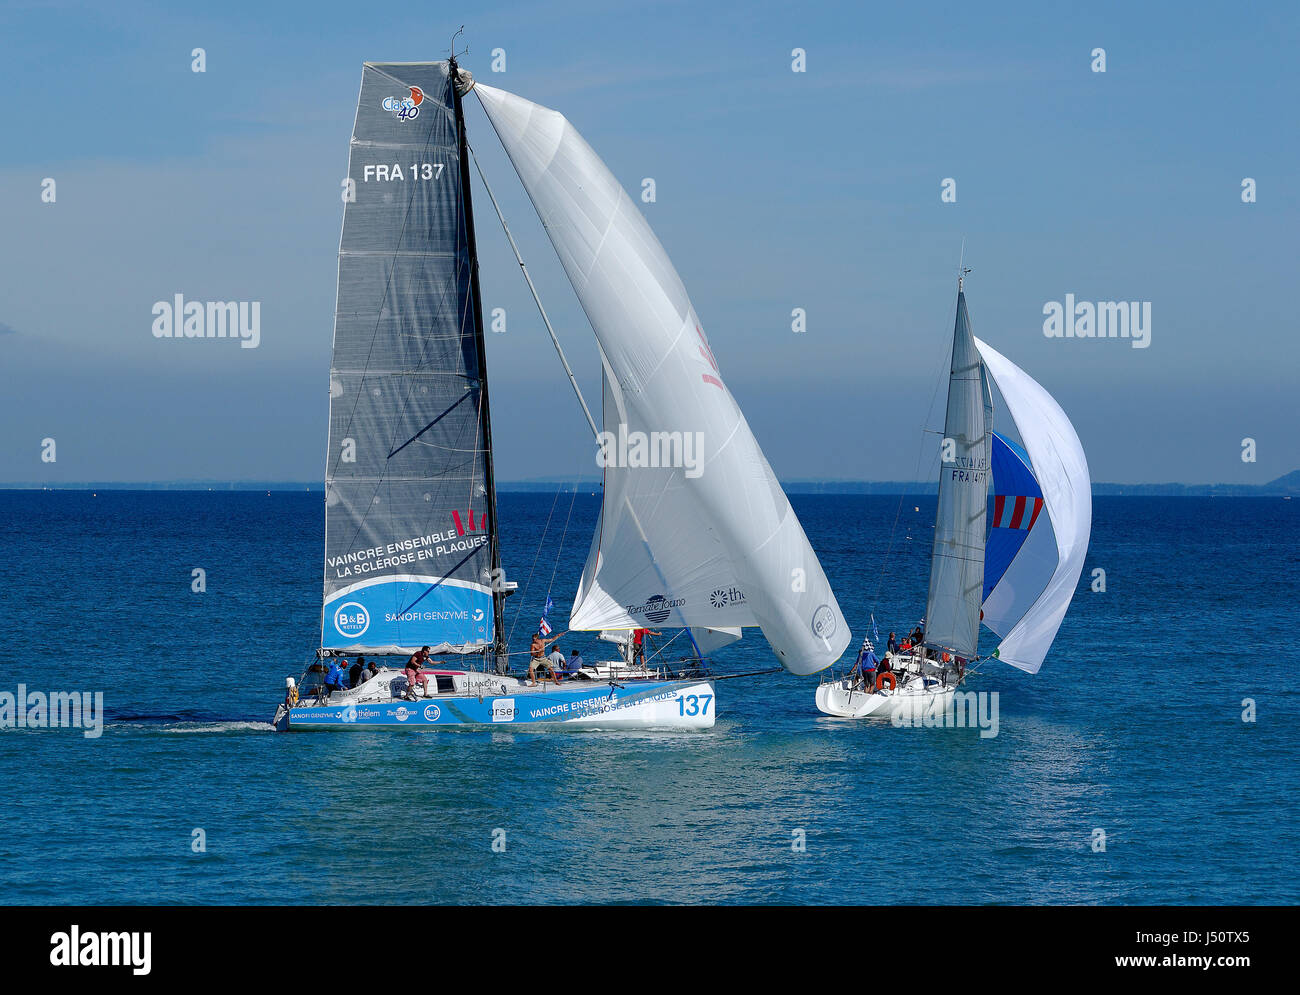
(638, 644)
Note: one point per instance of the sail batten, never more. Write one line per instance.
(410, 536)
(710, 542)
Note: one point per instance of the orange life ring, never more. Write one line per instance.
(946, 658)
(881, 678)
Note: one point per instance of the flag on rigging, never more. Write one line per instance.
(544, 627)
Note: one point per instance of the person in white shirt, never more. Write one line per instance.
(556, 658)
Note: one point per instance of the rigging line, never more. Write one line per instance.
(533, 290)
(464, 559)
(920, 456)
(441, 415)
(752, 673)
(523, 595)
(671, 640)
(560, 351)
(563, 535)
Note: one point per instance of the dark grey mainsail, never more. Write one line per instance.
(410, 522)
(952, 611)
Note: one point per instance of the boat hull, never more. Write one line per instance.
(911, 702)
(685, 704)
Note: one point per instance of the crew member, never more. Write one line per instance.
(413, 676)
(638, 644)
(537, 654)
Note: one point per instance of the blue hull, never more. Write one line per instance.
(635, 704)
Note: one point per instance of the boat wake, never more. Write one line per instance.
(182, 722)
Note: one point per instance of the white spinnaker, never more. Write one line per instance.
(668, 382)
(688, 579)
(1029, 602)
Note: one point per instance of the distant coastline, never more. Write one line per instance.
(1284, 486)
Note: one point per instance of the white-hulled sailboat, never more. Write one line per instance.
(1015, 572)
(411, 548)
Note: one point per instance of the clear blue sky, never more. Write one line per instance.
(776, 190)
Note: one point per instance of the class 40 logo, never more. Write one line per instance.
(406, 108)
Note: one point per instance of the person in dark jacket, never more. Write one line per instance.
(357, 674)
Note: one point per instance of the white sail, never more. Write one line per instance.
(728, 506)
(1028, 603)
(708, 640)
(685, 579)
(957, 558)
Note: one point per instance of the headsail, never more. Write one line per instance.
(1028, 599)
(957, 560)
(727, 514)
(409, 542)
(709, 640)
(684, 578)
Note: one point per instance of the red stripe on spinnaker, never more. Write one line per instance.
(999, 505)
(1038, 506)
(1018, 513)
(455, 517)
(713, 380)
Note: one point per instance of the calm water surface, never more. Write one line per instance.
(1134, 727)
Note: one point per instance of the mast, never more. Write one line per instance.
(957, 558)
(498, 594)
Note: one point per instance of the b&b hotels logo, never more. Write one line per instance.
(352, 619)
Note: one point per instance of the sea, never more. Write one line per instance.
(1152, 760)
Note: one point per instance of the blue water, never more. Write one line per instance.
(1134, 727)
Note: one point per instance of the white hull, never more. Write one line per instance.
(916, 695)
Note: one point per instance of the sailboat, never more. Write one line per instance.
(412, 557)
(1015, 572)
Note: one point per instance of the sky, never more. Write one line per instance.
(775, 190)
